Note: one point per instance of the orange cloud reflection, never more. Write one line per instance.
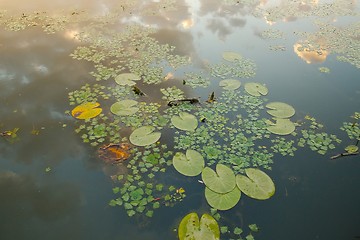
(187, 23)
(310, 55)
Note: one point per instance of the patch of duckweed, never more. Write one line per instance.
(237, 68)
(194, 80)
(172, 93)
(352, 129)
(324, 70)
(315, 139)
(283, 146)
(271, 33)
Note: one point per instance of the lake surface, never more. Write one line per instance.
(54, 185)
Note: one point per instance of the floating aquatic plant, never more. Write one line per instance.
(124, 107)
(256, 184)
(230, 84)
(191, 227)
(86, 110)
(144, 136)
(280, 110)
(256, 89)
(190, 164)
(185, 121)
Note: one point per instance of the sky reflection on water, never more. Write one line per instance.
(71, 201)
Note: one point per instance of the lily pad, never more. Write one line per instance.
(144, 136)
(221, 181)
(351, 149)
(86, 110)
(190, 164)
(231, 56)
(280, 110)
(124, 107)
(230, 84)
(256, 89)
(282, 127)
(256, 184)
(222, 201)
(124, 79)
(185, 121)
(191, 228)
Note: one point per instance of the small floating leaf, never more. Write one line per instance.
(280, 110)
(256, 89)
(86, 110)
(127, 79)
(124, 107)
(230, 84)
(256, 184)
(351, 149)
(222, 201)
(144, 136)
(185, 121)
(231, 56)
(282, 127)
(221, 181)
(191, 228)
(190, 164)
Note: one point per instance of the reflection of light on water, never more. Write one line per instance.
(40, 68)
(187, 23)
(269, 22)
(72, 35)
(168, 76)
(309, 55)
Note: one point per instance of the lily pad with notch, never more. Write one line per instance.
(221, 181)
(191, 227)
(256, 184)
(230, 84)
(124, 108)
(144, 136)
(280, 110)
(256, 89)
(128, 79)
(190, 164)
(86, 110)
(185, 121)
(282, 126)
(223, 201)
(351, 149)
(231, 56)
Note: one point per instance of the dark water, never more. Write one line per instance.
(316, 198)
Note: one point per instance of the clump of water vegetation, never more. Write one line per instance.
(231, 140)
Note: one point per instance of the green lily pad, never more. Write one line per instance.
(280, 110)
(124, 107)
(256, 89)
(230, 84)
(190, 164)
(282, 127)
(124, 79)
(256, 184)
(231, 56)
(222, 201)
(144, 136)
(221, 181)
(185, 121)
(190, 228)
(351, 149)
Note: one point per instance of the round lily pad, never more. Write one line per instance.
(256, 184)
(127, 79)
(256, 89)
(282, 127)
(191, 228)
(230, 84)
(124, 107)
(86, 110)
(351, 149)
(221, 181)
(185, 121)
(222, 201)
(190, 164)
(231, 56)
(144, 136)
(280, 110)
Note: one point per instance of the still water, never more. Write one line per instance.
(54, 186)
